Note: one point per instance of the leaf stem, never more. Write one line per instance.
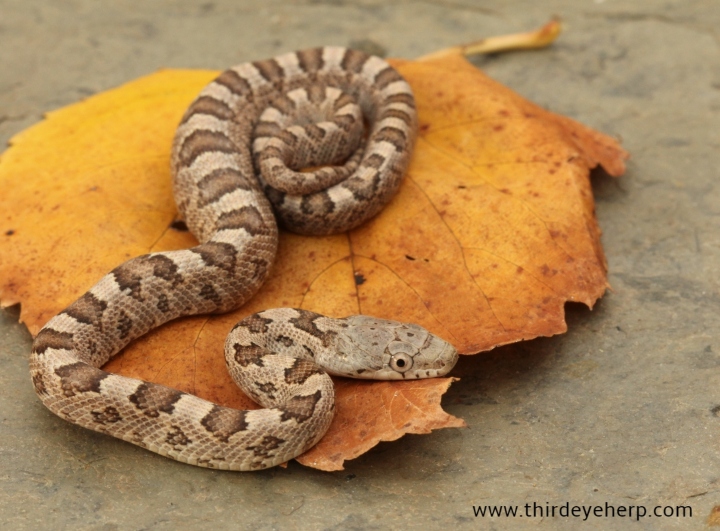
(539, 38)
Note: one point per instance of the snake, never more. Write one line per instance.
(316, 141)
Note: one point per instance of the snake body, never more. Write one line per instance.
(237, 157)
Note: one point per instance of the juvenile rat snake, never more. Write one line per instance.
(237, 156)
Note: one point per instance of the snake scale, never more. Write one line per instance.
(348, 120)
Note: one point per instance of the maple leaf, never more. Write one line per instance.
(492, 231)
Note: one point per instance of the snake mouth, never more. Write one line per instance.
(448, 358)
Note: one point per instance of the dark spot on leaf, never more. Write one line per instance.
(179, 226)
(9, 232)
(409, 257)
(359, 279)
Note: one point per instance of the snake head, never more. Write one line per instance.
(394, 351)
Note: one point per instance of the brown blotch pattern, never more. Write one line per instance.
(220, 182)
(407, 99)
(49, 338)
(393, 136)
(224, 422)
(309, 351)
(39, 383)
(217, 254)
(266, 129)
(247, 217)
(354, 60)
(211, 106)
(374, 161)
(344, 122)
(163, 303)
(247, 354)
(124, 325)
(130, 275)
(287, 137)
(314, 132)
(284, 104)
(260, 267)
(268, 388)
(164, 268)
(316, 93)
(300, 408)
(270, 69)
(306, 322)
(265, 448)
(152, 399)
(385, 77)
(208, 292)
(80, 378)
(204, 141)
(301, 370)
(88, 309)
(311, 60)
(177, 438)
(256, 323)
(318, 204)
(343, 100)
(397, 113)
(235, 83)
(274, 152)
(362, 188)
(285, 340)
(109, 415)
(275, 196)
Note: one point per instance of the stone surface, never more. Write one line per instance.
(621, 410)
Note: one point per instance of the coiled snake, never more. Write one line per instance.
(238, 150)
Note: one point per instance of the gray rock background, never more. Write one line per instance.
(624, 409)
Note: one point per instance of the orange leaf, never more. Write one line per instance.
(491, 233)
(370, 412)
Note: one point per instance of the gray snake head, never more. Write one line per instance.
(391, 350)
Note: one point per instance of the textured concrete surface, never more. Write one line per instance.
(621, 410)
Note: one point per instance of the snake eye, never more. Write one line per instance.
(401, 362)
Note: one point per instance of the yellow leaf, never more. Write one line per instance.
(491, 233)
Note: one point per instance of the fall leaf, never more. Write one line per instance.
(491, 233)
(369, 412)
